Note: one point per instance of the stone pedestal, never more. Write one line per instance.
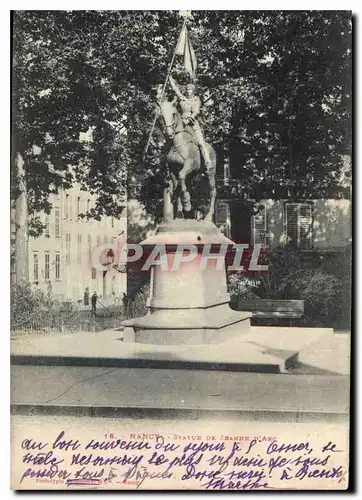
(189, 303)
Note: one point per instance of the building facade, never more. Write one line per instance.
(323, 224)
(311, 225)
(60, 260)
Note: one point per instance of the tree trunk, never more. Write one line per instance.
(105, 291)
(19, 223)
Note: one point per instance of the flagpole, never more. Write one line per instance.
(163, 89)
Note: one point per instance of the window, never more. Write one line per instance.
(78, 206)
(36, 267)
(57, 266)
(94, 271)
(57, 223)
(106, 239)
(298, 224)
(88, 205)
(89, 245)
(70, 208)
(79, 259)
(260, 230)
(66, 210)
(47, 226)
(112, 221)
(67, 248)
(47, 266)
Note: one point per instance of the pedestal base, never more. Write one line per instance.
(183, 326)
(188, 302)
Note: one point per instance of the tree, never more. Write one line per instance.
(295, 135)
(60, 90)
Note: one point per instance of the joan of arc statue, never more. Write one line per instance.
(190, 106)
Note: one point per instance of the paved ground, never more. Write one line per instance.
(331, 353)
(88, 390)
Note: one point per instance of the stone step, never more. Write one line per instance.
(260, 349)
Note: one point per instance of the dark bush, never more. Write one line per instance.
(26, 303)
(242, 287)
(322, 280)
(34, 310)
(137, 306)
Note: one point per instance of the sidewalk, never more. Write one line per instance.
(176, 393)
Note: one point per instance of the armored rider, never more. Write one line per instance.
(190, 105)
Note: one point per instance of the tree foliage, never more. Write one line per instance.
(278, 86)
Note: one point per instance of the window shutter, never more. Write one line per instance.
(305, 226)
(298, 222)
(291, 221)
(260, 228)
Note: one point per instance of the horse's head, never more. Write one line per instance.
(169, 117)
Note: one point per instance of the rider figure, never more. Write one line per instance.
(190, 108)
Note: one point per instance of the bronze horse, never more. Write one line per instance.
(183, 159)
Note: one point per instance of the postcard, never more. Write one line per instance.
(181, 206)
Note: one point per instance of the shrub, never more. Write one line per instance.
(285, 264)
(137, 306)
(26, 303)
(321, 293)
(241, 287)
(321, 280)
(34, 310)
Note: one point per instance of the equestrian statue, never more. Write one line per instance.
(189, 152)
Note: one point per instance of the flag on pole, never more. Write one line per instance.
(185, 49)
(185, 13)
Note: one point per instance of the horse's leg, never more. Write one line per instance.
(167, 201)
(179, 207)
(212, 185)
(176, 201)
(189, 166)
